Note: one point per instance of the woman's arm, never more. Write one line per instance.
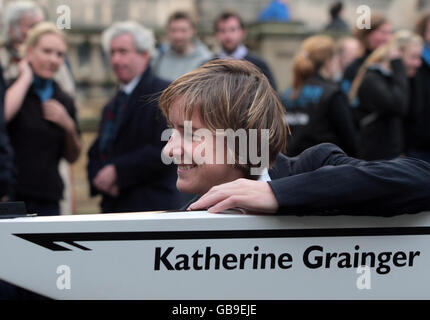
(329, 183)
(56, 112)
(16, 93)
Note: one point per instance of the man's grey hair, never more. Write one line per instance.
(13, 13)
(143, 37)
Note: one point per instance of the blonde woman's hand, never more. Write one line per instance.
(55, 112)
(25, 70)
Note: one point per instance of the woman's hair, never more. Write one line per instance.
(144, 40)
(231, 94)
(376, 21)
(37, 32)
(421, 27)
(315, 51)
(401, 40)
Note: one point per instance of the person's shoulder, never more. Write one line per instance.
(255, 59)
(160, 83)
(332, 90)
(373, 75)
(203, 50)
(318, 155)
(321, 150)
(352, 69)
(309, 160)
(151, 83)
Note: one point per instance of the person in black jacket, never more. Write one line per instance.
(41, 121)
(232, 94)
(230, 33)
(418, 119)
(317, 110)
(379, 33)
(382, 87)
(124, 161)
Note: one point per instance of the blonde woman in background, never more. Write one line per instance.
(379, 33)
(41, 121)
(382, 88)
(17, 20)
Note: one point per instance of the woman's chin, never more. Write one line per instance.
(184, 187)
(45, 74)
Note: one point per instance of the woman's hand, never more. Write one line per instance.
(55, 112)
(25, 70)
(254, 196)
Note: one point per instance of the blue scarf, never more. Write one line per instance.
(426, 54)
(44, 88)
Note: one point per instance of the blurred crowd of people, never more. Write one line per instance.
(365, 92)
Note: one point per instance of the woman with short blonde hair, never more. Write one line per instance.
(41, 121)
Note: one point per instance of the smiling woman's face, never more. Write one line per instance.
(47, 55)
(195, 178)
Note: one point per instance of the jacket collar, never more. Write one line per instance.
(143, 87)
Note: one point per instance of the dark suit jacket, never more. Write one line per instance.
(145, 182)
(262, 65)
(323, 180)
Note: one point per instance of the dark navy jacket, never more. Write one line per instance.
(383, 105)
(262, 65)
(320, 113)
(145, 182)
(323, 180)
(418, 119)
